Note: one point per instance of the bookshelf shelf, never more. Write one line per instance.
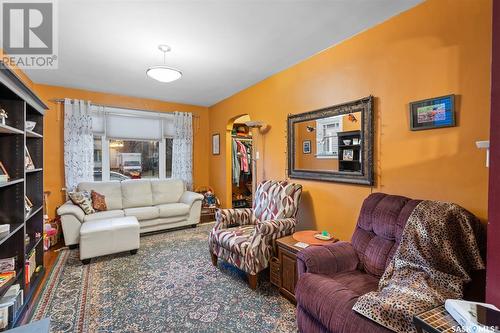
(21, 105)
(12, 182)
(31, 134)
(34, 170)
(6, 286)
(14, 228)
(32, 213)
(9, 130)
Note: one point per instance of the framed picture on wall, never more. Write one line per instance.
(306, 146)
(216, 144)
(432, 113)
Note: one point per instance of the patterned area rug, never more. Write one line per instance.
(169, 286)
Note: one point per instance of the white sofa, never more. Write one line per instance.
(157, 205)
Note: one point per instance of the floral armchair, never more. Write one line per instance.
(244, 237)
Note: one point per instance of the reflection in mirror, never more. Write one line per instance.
(333, 144)
(329, 144)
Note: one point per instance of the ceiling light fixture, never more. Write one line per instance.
(164, 73)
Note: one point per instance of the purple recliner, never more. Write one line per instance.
(332, 277)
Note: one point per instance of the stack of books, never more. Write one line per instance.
(30, 266)
(10, 304)
(7, 270)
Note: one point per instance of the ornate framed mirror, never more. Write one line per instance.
(333, 144)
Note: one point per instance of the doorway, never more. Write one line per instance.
(241, 175)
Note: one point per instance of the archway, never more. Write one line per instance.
(239, 121)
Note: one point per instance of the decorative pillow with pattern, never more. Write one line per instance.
(83, 200)
(98, 201)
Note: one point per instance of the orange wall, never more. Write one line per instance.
(437, 48)
(54, 133)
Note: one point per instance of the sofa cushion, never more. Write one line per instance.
(108, 214)
(236, 240)
(330, 299)
(173, 209)
(111, 190)
(143, 213)
(98, 201)
(83, 200)
(136, 193)
(167, 190)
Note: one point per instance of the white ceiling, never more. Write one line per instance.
(221, 46)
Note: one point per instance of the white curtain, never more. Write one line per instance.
(78, 143)
(182, 148)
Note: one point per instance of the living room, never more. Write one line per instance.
(287, 166)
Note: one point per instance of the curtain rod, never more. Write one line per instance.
(61, 100)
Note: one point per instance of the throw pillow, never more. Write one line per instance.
(98, 201)
(83, 200)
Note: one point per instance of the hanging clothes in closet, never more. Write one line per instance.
(242, 160)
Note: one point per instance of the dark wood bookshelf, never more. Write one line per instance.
(354, 164)
(21, 105)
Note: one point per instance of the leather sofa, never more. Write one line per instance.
(334, 276)
(157, 205)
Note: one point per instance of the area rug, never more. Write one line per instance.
(169, 286)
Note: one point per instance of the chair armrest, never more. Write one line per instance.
(280, 227)
(327, 259)
(189, 197)
(233, 217)
(69, 208)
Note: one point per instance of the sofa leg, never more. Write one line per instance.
(252, 280)
(214, 259)
(132, 252)
(73, 246)
(86, 261)
(193, 225)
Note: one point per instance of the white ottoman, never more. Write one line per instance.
(102, 237)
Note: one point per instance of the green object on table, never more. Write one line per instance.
(324, 233)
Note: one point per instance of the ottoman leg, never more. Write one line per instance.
(214, 259)
(86, 261)
(73, 246)
(134, 251)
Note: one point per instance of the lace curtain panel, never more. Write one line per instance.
(182, 148)
(78, 143)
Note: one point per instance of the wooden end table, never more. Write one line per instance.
(284, 266)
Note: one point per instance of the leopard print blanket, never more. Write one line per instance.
(437, 251)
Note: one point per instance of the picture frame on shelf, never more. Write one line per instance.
(28, 205)
(348, 155)
(216, 144)
(4, 175)
(306, 146)
(28, 161)
(433, 113)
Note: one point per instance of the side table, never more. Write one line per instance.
(284, 266)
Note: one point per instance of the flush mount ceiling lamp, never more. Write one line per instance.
(164, 73)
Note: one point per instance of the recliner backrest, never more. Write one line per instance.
(276, 200)
(379, 229)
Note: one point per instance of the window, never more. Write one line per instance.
(131, 144)
(134, 159)
(327, 138)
